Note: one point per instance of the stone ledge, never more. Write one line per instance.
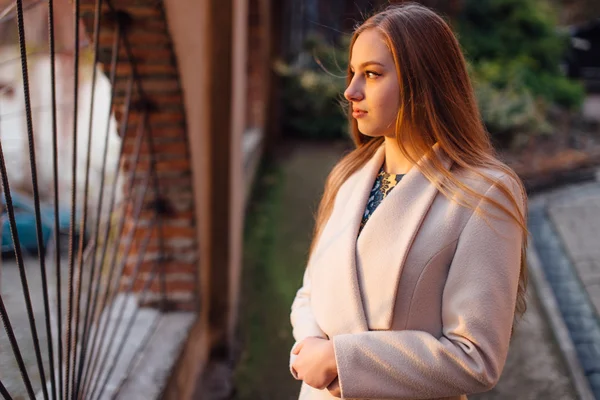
(160, 336)
(159, 357)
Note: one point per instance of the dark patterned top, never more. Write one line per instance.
(384, 183)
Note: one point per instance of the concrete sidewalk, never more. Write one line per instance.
(565, 225)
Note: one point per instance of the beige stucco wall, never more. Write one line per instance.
(187, 20)
(195, 42)
(238, 176)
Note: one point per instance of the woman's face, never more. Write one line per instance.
(373, 91)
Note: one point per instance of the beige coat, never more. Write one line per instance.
(421, 305)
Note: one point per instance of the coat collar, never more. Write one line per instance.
(354, 282)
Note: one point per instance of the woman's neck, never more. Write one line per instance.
(395, 161)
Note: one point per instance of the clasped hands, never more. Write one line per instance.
(315, 364)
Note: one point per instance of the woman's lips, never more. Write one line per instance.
(358, 113)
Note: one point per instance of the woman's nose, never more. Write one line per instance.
(352, 93)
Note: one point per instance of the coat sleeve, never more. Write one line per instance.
(303, 321)
(478, 304)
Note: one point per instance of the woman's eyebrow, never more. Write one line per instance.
(368, 63)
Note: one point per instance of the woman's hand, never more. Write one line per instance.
(315, 362)
(334, 388)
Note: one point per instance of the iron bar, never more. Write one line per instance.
(8, 13)
(161, 245)
(152, 161)
(13, 340)
(73, 200)
(122, 309)
(127, 332)
(83, 223)
(56, 214)
(36, 198)
(114, 61)
(108, 229)
(23, 112)
(52, 49)
(4, 392)
(34, 53)
(81, 357)
(112, 262)
(17, 247)
(143, 292)
(6, 320)
(129, 241)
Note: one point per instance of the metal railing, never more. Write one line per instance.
(82, 344)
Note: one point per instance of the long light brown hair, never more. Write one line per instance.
(437, 106)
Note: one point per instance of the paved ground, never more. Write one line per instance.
(575, 212)
(565, 226)
(145, 373)
(12, 295)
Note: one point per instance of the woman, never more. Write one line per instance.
(413, 298)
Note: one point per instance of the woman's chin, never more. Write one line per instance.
(370, 133)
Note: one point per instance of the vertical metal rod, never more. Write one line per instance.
(73, 200)
(114, 61)
(8, 326)
(131, 236)
(56, 203)
(123, 263)
(17, 247)
(161, 245)
(152, 163)
(112, 262)
(4, 392)
(109, 228)
(13, 342)
(38, 217)
(142, 294)
(122, 310)
(96, 289)
(83, 223)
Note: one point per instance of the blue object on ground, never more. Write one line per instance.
(24, 209)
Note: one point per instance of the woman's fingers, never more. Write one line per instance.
(298, 347)
(334, 388)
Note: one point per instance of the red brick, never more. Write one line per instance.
(166, 231)
(172, 130)
(137, 246)
(169, 268)
(188, 284)
(174, 148)
(173, 166)
(155, 65)
(153, 117)
(138, 9)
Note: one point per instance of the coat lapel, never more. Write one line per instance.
(335, 295)
(385, 241)
(354, 282)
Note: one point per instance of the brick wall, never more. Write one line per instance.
(171, 191)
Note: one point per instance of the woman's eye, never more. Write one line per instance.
(372, 74)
